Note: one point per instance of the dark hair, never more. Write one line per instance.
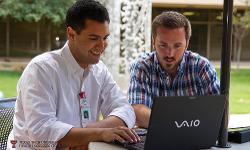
(82, 10)
(172, 20)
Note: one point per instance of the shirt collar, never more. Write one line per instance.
(157, 63)
(71, 63)
(181, 67)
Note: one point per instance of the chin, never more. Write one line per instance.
(169, 68)
(95, 62)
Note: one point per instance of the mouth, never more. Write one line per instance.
(169, 60)
(96, 52)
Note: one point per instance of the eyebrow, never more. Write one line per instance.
(93, 35)
(161, 42)
(97, 36)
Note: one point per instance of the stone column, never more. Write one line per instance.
(130, 29)
(111, 54)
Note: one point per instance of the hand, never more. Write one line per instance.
(121, 134)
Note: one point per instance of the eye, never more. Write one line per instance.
(106, 38)
(162, 45)
(177, 46)
(93, 39)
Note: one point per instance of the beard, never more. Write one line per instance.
(170, 68)
(170, 65)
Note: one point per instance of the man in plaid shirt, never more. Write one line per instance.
(170, 70)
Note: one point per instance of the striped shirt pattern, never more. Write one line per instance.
(195, 76)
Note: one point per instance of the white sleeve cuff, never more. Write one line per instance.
(60, 129)
(126, 113)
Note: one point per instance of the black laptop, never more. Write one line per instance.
(183, 122)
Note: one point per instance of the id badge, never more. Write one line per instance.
(85, 109)
(86, 113)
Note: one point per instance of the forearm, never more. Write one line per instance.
(80, 137)
(142, 113)
(109, 122)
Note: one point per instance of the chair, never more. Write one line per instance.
(7, 107)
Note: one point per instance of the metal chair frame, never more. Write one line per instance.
(7, 109)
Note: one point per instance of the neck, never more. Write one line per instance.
(72, 50)
(84, 66)
(172, 74)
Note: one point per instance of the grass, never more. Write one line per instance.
(239, 89)
(8, 81)
(239, 95)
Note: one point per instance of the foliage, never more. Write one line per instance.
(10, 8)
(241, 23)
(53, 11)
(241, 20)
(33, 11)
(241, 27)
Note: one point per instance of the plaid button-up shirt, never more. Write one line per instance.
(195, 76)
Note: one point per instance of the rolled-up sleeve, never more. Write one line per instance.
(114, 101)
(38, 99)
(139, 91)
(210, 82)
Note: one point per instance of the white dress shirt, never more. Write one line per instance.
(47, 105)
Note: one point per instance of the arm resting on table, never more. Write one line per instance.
(142, 113)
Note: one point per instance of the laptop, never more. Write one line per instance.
(183, 122)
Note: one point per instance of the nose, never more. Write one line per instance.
(169, 51)
(102, 44)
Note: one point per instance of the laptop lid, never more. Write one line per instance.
(185, 122)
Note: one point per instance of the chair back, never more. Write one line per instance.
(7, 109)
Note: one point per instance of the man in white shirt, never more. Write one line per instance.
(61, 93)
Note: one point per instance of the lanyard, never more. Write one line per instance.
(84, 104)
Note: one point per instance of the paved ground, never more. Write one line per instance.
(243, 64)
(239, 120)
(13, 64)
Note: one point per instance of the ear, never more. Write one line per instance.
(153, 43)
(71, 33)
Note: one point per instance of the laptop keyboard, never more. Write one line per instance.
(133, 146)
(136, 146)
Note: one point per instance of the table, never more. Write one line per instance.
(107, 146)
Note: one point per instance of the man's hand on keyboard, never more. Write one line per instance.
(121, 134)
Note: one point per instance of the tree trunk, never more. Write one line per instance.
(48, 37)
(38, 36)
(7, 39)
(235, 49)
(239, 53)
(208, 39)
